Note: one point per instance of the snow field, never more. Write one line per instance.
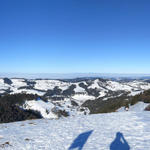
(60, 134)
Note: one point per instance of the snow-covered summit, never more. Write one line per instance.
(94, 132)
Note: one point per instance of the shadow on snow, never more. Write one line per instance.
(80, 140)
(119, 143)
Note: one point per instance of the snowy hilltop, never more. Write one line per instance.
(111, 131)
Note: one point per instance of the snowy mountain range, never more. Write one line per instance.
(73, 96)
(78, 89)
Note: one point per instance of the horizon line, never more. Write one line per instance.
(72, 75)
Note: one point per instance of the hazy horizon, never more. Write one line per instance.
(70, 75)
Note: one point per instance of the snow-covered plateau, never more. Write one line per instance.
(111, 131)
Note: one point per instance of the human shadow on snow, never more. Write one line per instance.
(119, 143)
(80, 140)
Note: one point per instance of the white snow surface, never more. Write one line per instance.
(60, 134)
(3, 85)
(42, 107)
(95, 84)
(133, 93)
(18, 82)
(114, 86)
(50, 84)
(27, 91)
(80, 98)
(140, 106)
(79, 89)
(49, 110)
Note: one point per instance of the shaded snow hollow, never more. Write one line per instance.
(93, 132)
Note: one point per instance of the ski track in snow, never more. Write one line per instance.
(59, 134)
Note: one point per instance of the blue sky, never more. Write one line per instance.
(75, 36)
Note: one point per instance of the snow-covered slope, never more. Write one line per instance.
(52, 110)
(93, 132)
(140, 106)
(44, 108)
(50, 84)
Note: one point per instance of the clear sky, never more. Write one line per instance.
(68, 36)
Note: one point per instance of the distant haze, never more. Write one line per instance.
(71, 75)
